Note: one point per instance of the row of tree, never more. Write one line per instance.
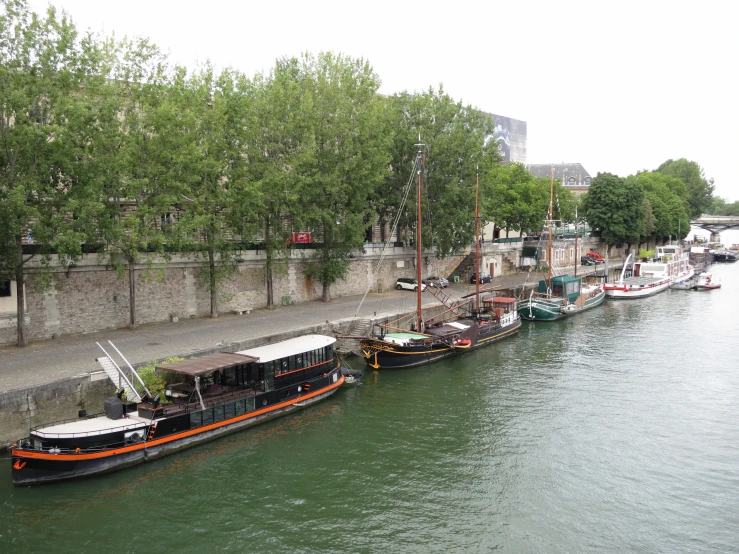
(104, 146)
(657, 204)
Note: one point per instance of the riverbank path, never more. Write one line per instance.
(46, 361)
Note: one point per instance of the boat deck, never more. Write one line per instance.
(88, 427)
(642, 281)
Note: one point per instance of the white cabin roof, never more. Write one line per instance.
(290, 347)
(88, 427)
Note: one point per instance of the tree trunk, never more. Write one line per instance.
(131, 292)
(268, 265)
(20, 293)
(328, 237)
(212, 282)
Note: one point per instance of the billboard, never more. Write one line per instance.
(511, 137)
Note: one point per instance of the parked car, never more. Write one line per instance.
(408, 284)
(484, 278)
(587, 260)
(596, 256)
(441, 282)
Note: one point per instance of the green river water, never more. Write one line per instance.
(613, 431)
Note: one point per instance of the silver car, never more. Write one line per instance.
(436, 281)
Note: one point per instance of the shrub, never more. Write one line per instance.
(154, 381)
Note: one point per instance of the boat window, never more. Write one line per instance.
(299, 361)
(230, 410)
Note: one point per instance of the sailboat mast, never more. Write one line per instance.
(477, 243)
(577, 253)
(419, 317)
(551, 216)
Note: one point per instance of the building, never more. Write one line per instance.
(572, 175)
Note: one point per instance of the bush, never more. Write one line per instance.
(154, 381)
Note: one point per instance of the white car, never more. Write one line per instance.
(408, 284)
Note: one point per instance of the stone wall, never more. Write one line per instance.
(92, 297)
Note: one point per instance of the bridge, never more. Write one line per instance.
(716, 223)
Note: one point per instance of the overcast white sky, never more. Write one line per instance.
(617, 86)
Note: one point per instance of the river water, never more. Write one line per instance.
(613, 431)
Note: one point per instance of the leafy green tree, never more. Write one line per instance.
(699, 189)
(456, 150)
(208, 165)
(515, 199)
(346, 159)
(616, 207)
(44, 123)
(130, 158)
(280, 144)
(667, 206)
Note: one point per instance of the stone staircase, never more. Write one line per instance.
(465, 268)
(357, 328)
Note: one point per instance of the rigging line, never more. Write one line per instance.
(384, 250)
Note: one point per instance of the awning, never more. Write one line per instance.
(207, 364)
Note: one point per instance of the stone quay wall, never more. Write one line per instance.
(92, 296)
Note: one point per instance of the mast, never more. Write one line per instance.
(577, 254)
(477, 243)
(551, 216)
(419, 316)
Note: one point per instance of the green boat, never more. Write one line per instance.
(565, 296)
(561, 296)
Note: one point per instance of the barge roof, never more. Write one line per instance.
(208, 364)
(290, 347)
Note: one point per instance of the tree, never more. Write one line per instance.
(665, 208)
(210, 122)
(346, 158)
(279, 144)
(616, 207)
(130, 154)
(514, 198)
(456, 151)
(700, 189)
(44, 121)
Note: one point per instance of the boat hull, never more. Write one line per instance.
(30, 467)
(551, 309)
(628, 291)
(383, 354)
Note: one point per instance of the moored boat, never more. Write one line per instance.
(707, 281)
(395, 349)
(560, 297)
(459, 328)
(670, 265)
(725, 256)
(563, 295)
(213, 395)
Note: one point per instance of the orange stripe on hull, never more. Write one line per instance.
(174, 437)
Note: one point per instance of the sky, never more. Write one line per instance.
(619, 87)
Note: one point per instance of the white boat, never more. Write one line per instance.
(670, 266)
(707, 281)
